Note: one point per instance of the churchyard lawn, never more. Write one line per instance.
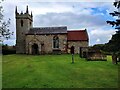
(57, 71)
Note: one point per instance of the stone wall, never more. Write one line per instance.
(77, 45)
(22, 30)
(45, 43)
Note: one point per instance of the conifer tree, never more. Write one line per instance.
(113, 45)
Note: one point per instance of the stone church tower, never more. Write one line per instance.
(24, 21)
(46, 40)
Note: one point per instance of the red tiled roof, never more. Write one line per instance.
(77, 35)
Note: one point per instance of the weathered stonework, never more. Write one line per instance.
(45, 43)
(39, 40)
(77, 45)
(22, 30)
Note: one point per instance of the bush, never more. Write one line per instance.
(8, 51)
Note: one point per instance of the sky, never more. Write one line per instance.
(75, 14)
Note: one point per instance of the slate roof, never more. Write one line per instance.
(77, 35)
(47, 30)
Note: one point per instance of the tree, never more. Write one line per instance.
(115, 13)
(5, 33)
(114, 44)
(98, 46)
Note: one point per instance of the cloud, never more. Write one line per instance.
(98, 40)
(72, 20)
(95, 24)
(100, 36)
(56, 8)
(10, 42)
(74, 15)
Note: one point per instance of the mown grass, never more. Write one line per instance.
(57, 71)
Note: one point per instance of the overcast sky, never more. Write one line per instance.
(83, 14)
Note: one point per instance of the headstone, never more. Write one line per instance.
(72, 52)
(114, 59)
(80, 52)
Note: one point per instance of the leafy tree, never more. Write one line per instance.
(5, 33)
(114, 44)
(98, 46)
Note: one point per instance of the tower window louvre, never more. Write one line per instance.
(21, 23)
(30, 23)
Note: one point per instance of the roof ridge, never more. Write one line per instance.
(75, 30)
(51, 27)
(47, 30)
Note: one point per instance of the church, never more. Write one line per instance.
(46, 40)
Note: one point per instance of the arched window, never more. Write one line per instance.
(55, 42)
(21, 23)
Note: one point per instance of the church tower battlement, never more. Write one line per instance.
(24, 21)
(46, 40)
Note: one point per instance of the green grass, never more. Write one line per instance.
(57, 71)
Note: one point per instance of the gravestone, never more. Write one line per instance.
(80, 52)
(114, 59)
(72, 52)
